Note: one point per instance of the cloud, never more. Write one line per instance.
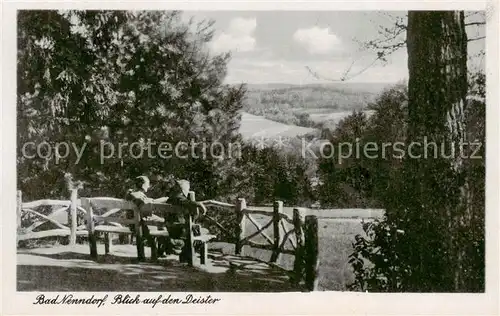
(317, 40)
(242, 27)
(239, 36)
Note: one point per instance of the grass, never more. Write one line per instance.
(69, 268)
(335, 245)
(334, 117)
(336, 236)
(253, 126)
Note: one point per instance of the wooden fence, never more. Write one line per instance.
(299, 231)
(29, 218)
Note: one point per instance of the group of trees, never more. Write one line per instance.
(282, 113)
(121, 77)
(380, 182)
(361, 180)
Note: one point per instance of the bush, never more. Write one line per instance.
(375, 259)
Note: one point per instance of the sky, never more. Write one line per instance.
(279, 46)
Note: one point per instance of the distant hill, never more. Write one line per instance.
(309, 105)
(281, 109)
(360, 87)
(336, 97)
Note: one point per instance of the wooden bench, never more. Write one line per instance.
(110, 222)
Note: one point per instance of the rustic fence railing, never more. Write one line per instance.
(299, 231)
(29, 219)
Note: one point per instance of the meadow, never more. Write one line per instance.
(253, 126)
(333, 118)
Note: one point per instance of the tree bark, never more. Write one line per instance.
(437, 88)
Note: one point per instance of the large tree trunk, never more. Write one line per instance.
(437, 62)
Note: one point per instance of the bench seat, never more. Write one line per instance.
(204, 238)
(112, 229)
(157, 233)
(152, 232)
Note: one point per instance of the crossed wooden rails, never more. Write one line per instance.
(301, 234)
(109, 224)
(71, 207)
(299, 231)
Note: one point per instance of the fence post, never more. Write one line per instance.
(241, 204)
(311, 262)
(90, 227)
(19, 208)
(139, 234)
(73, 218)
(298, 264)
(277, 209)
(190, 251)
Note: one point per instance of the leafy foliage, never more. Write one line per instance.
(351, 178)
(270, 174)
(384, 257)
(87, 77)
(121, 77)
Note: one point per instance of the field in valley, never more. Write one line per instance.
(320, 115)
(253, 126)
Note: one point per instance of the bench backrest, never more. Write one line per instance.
(115, 209)
(114, 206)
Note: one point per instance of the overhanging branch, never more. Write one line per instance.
(475, 23)
(476, 39)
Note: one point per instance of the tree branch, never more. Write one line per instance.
(475, 23)
(345, 76)
(476, 39)
(392, 39)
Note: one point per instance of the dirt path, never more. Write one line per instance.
(70, 269)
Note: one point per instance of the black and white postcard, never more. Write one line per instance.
(250, 158)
